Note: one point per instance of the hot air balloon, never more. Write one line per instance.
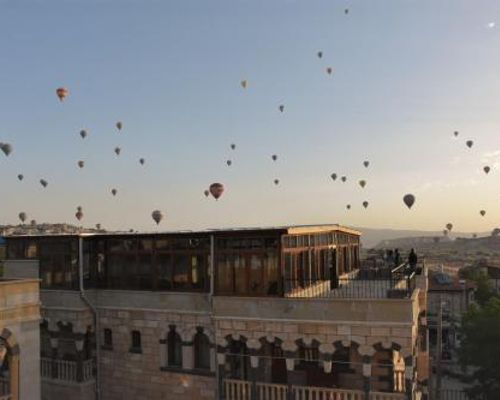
(449, 226)
(362, 183)
(83, 133)
(119, 125)
(348, 206)
(22, 216)
(79, 215)
(117, 151)
(365, 204)
(486, 169)
(409, 200)
(216, 190)
(206, 193)
(244, 83)
(114, 191)
(229, 162)
(157, 216)
(329, 70)
(343, 179)
(482, 212)
(455, 133)
(6, 148)
(79, 208)
(274, 157)
(20, 177)
(346, 11)
(81, 163)
(276, 181)
(282, 107)
(98, 226)
(43, 182)
(366, 163)
(142, 161)
(233, 146)
(62, 93)
(469, 143)
(333, 176)
(320, 54)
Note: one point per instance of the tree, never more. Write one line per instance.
(480, 348)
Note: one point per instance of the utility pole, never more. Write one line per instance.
(439, 349)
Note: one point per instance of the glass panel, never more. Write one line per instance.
(240, 274)
(224, 274)
(165, 271)
(182, 270)
(256, 282)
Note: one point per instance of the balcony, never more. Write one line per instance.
(68, 371)
(245, 390)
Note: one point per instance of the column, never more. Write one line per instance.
(187, 355)
(367, 374)
(79, 359)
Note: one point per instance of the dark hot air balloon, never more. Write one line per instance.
(43, 182)
(482, 212)
(20, 177)
(274, 157)
(157, 216)
(366, 163)
(455, 133)
(229, 162)
(79, 215)
(409, 200)
(486, 169)
(333, 176)
(348, 206)
(469, 143)
(233, 146)
(6, 148)
(114, 191)
(98, 226)
(343, 178)
(329, 70)
(365, 204)
(320, 54)
(62, 93)
(83, 133)
(119, 125)
(276, 181)
(282, 107)
(449, 226)
(206, 193)
(118, 151)
(22, 216)
(244, 83)
(81, 163)
(362, 183)
(142, 161)
(216, 190)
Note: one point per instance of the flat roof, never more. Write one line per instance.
(290, 229)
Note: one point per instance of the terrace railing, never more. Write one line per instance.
(66, 370)
(397, 283)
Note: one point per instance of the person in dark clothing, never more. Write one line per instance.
(412, 260)
(397, 258)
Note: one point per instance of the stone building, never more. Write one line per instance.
(19, 339)
(242, 314)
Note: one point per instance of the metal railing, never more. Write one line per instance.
(235, 389)
(397, 283)
(67, 370)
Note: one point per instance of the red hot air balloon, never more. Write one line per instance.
(216, 190)
(62, 93)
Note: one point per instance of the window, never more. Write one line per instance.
(108, 339)
(174, 344)
(136, 342)
(201, 350)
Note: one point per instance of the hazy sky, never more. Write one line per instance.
(407, 74)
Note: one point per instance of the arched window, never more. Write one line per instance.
(174, 343)
(201, 350)
(238, 360)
